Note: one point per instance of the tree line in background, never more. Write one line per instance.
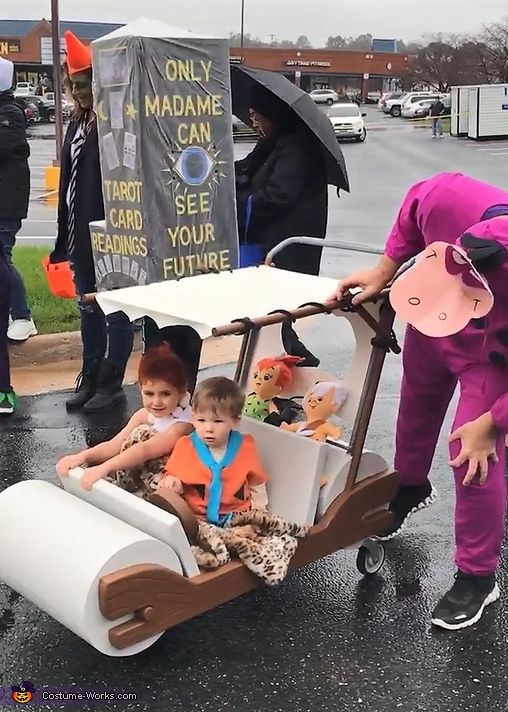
(440, 61)
(235, 40)
(443, 61)
(361, 43)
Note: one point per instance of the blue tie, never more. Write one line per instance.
(208, 460)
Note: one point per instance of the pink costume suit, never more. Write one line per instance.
(442, 208)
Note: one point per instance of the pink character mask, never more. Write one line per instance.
(441, 292)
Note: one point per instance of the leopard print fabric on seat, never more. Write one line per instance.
(264, 542)
(141, 481)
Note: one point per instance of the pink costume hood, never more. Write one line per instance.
(451, 284)
(440, 208)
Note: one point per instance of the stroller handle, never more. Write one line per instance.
(320, 242)
(338, 245)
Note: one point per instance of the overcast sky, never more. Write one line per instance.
(286, 19)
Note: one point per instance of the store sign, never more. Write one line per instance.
(236, 60)
(47, 50)
(306, 63)
(9, 46)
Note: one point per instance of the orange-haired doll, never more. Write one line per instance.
(271, 376)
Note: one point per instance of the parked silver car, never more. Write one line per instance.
(324, 96)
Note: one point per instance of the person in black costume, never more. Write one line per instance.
(281, 186)
(99, 385)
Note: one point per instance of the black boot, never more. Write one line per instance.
(109, 388)
(86, 386)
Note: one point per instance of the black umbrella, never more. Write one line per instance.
(244, 80)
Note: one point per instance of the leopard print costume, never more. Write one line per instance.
(264, 542)
(141, 481)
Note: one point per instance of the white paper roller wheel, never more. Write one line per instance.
(58, 549)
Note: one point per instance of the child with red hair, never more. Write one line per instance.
(134, 459)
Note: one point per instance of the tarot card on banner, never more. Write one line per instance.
(134, 271)
(129, 150)
(108, 143)
(116, 109)
(114, 67)
(100, 268)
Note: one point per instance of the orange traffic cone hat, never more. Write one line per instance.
(79, 56)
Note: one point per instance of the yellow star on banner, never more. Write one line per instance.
(131, 111)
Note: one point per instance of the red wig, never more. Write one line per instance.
(284, 364)
(159, 363)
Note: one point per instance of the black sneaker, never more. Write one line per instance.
(465, 602)
(406, 502)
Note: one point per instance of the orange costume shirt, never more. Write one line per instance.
(236, 478)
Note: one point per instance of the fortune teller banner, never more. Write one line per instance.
(166, 148)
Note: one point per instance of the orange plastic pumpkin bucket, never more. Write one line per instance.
(59, 277)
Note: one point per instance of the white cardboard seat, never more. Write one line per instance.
(294, 465)
(337, 466)
(138, 513)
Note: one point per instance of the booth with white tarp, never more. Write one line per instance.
(163, 105)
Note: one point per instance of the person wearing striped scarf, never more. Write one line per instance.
(107, 341)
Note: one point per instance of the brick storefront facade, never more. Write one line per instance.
(322, 68)
(20, 41)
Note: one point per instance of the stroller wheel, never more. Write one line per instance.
(370, 558)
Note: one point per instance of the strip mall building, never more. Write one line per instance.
(28, 44)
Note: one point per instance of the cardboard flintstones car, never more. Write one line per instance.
(118, 571)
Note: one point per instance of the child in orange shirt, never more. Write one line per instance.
(216, 469)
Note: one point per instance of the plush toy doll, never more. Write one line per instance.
(271, 376)
(321, 402)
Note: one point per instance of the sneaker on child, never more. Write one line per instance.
(463, 605)
(7, 402)
(407, 502)
(21, 329)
